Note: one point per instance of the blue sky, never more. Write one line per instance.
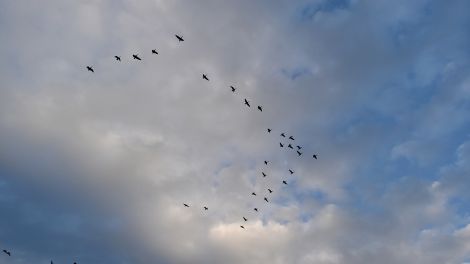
(94, 168)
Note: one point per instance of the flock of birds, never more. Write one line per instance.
(291, 139)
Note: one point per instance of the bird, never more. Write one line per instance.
(291, 171)
(117, 58)
(269, 130)
(290, 146)
(291, 138)
(52, 262)
(260, 108)
(280, 144)
(205, 77)
(205, 208)
(270, 191)
(7, 252)
(89, 68)
(264, 174)
(242, 227)
(136, 57)
(253, 193)
(315, 156)
(245, 219)
(283, 135)
(154, 52)
(179, 38)
(299, 147)
(247, 103)
(256, 209)
(284, 182)
(266, 162)
(298, 152)
(186, 205)
(233, 88)
(266, 199)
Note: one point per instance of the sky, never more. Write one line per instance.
(95, 167)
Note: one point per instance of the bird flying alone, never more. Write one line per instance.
(266, 162)
(269, 130)
(256, 209)
(205, 208)
(291, 171)
(205, 77)
(283, 135)
(7, 252)
(299, 147)
(264, 174)
(242, 227)
(290, 146)
(270, 191)
(291, 138)
(245, 219)
(247, 103)
(266, 199)
(89, 68)
(284, 182)
(299, 153)
(260, 108)
(280, 144)
(186, 205)
(117, 58)
(233, 88)
(136, 57)
(154, 52)
(315, 156)
(180, 38)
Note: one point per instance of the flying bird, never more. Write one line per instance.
(291, 171)
(205, 208)
(136, 57)
(270, 191)
(117, 58)
(284, 182)
(290, 146)
(7, 252)
(299, 147)
(298, 152)
(89, 68)
(291, 138)
(242, 227)
(179, 38)
(253, 193)
(280, 144)
(154, 52)
(260, 108)
(245, 219)
(266, 199)
(264, 174)
(256, 209)
(269, 130)
(186, 205)
(247, 103)
(266, 162)
(233, 88)
(315, 156)
(283, 135)
(205, 77)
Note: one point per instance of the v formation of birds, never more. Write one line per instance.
(269, 189)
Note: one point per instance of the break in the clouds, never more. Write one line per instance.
(95, 167)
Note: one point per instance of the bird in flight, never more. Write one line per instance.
(260, 108)
(315, 156)
(298, 152)
(117, 58)
(291, 171)
(89, 68)
(269, 130)
(256, 209)
(266, 199)
(291, 138)
(233, 88)
(284, 182)
(186, 205)
(270, 191)
(264, 174)
(280, 144)
(247, 103)
(253, 193)
(179, 38)
(205, 208)
(136, 57)
(154, 52)
(283, 135)
(7, 252)
(266, 162)
(290, 146)
(299, 147)
(242, 227)
(245, 219)
(205, 77)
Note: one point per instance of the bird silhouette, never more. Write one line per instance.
(266, 162)
(253, 193)
(270, 191)
(315, 156)
(89, 68)
(266, 199)
(299, 147)
(291, 138)
(7, 252)
(186, 205)
(264, 174)
(284, 182)
(280, 144)
(205, 77)
(260, 108)
(154, 52)
(245, 219)
(269, 130)
(52, 262)
(290, 146)
(117, 58)
(233, 88)
(256, 209)
(179, 38)
(205, 208)
(283, 135)
(242, 227)
(136, 57)
(299, 153)
(291, 171)
(247, 103)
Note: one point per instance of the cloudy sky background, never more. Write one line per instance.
(94, 168)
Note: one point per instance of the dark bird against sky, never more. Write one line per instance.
(180, 38)
(89, 68)
(136, 57)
